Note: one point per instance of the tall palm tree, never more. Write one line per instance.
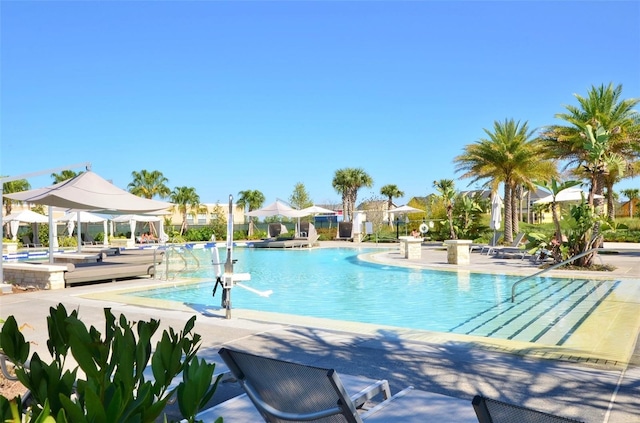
(447, 190)
(602, 107)
(251, 199)
(506, 157)
(632, 194)
(64, 175)
(149, 184)
(185, 199)
(348, 182)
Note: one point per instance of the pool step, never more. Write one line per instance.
(545, 312)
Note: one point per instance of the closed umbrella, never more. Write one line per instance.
(496, 212)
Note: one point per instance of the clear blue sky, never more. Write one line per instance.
(229, 96)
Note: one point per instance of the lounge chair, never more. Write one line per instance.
(513, 248)
(492, 243)
(283, 391)
(276, 229)
(87, 239)
(26, 241)
(494, 411)
(345, 230)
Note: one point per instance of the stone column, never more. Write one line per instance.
(458, 251)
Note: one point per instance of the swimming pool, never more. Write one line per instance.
(336, 284)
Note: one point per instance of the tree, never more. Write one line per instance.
(347, 182)
(506, 157)
(602, 107)
(555, 187)
(64, 176)
(390, 191)
(632, 194)
(185, 199)
(149, 184)
(447, 190)
(10, 187)
(251, 199)
(300, 197)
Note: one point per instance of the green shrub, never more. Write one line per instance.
(108, 383)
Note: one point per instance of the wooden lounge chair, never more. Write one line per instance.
(494, 411)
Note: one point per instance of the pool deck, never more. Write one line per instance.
(600, 390)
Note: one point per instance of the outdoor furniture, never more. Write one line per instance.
(511, 248)
(494, 411)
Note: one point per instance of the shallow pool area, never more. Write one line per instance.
(333, 283)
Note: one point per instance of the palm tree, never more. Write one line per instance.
(347, 182)
(64, 176)
(390, 191)
(602, 107)
(10, 187)
(632, 194)
(447, 190)
(506, 157)
(251, 199)
(185, 199)
(149, 184)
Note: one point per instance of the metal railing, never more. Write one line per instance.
(183, 255)
(554, 266)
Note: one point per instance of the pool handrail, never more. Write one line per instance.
(554, 266)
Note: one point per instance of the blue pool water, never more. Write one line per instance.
(335, 284)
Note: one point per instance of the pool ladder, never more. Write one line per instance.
(176, 253)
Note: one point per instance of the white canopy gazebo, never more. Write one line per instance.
(25, 216)
(133, 219)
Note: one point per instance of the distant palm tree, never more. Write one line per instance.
(447, 190)
(64, 176)
(251, 199)
(347, 182)
(390, 191)
(185, 200)
(11, 187)
(510, 155)
(149, 184)
(632, 194)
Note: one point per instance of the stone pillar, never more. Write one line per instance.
(413, 249)
(403, 245)
(458, 251)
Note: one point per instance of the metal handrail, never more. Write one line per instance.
(555, 266)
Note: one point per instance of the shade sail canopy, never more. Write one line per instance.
(569, 194)
(405, 209)
(277, 208)
(89, 191)
(26, 216)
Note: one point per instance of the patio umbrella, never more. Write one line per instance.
(405, 209)
(496, 212)
(569, 194)
(317, 210)
(277, 208)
